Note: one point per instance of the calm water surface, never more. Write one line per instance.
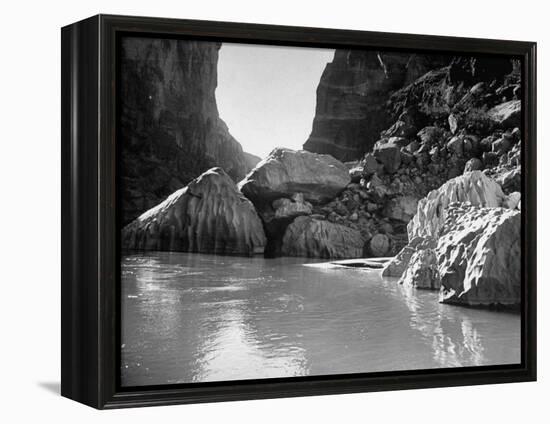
(193, 318)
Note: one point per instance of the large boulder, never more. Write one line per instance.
(479, 256)
(389, 155)
(506, 115)
(473, 187)
(286, 172)
(210, 215)
(422, 271)
(314, 238)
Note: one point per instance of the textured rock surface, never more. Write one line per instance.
(171, 131)
(397, 266)
(479, 256)
(474, 187)
(286, 172)
(210, 215)
(351, 96)
(422, 271)
(309, 237)
(507, 115)
(290, 208)
(399, 263)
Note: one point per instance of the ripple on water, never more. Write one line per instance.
(191, 317)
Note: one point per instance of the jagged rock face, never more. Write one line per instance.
(170, 127)
(474, 187)
(479, 256)
(351, 96)
(397, 266)
(210, 215)
(313, 238)
(464, 90)
(286, 172)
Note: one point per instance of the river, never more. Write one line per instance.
(196, 318)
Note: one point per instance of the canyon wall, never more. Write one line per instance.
(351, 98)
(170, 130)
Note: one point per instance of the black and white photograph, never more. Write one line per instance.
(294, 211)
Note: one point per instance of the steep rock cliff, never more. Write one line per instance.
(171, 131)
(351, 98)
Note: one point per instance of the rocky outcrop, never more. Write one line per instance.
(476, 261)
(313, 238)
(397, 266)
(286, 172)
(210, 215)
(422, 271)
(351, 96)
(473, 187)
(170, 131)
(479, 255)
(424, 230)
(506, 115)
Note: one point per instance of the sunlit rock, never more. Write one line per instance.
(286, 172)
(399, 263)
(473, 187)
(422, 271)
(479, 255)
(210, 215)
(507, 115)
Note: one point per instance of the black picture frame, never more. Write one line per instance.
(90, 265)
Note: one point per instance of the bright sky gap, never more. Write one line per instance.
(267, 94)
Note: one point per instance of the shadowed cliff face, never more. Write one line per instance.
(351, 98)
(171, 131)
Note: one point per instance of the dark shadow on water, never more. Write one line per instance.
(51, 386)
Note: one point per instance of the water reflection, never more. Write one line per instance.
(191, 317)
(440, 324)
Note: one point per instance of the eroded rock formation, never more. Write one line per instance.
(171, 131)
(210, 215)
(473, 187)
(479, 255)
